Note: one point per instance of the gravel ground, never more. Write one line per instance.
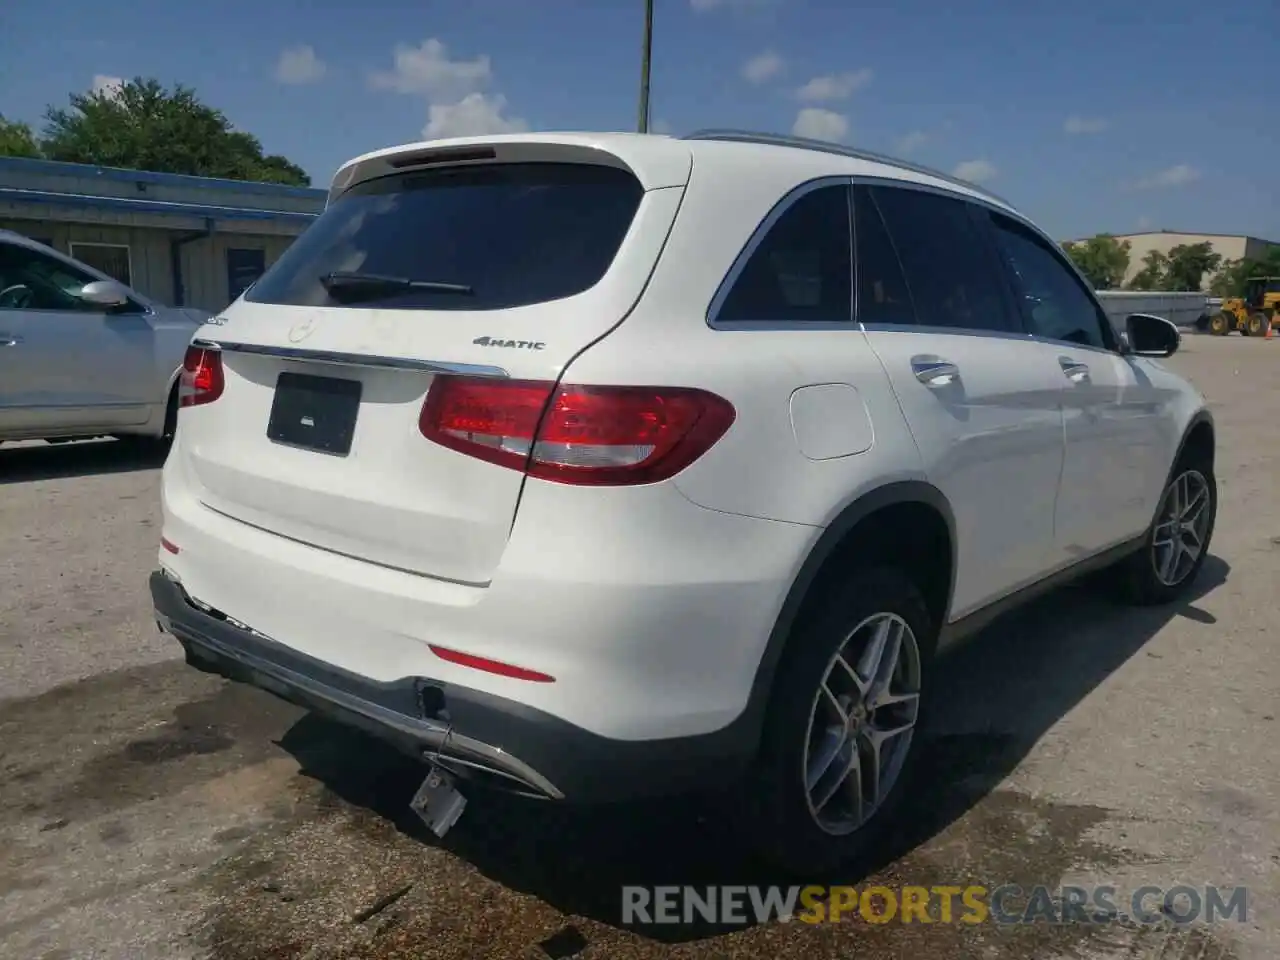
(150, 811)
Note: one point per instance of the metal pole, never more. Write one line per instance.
(646, 57)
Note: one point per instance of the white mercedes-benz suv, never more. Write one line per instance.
(594, 466)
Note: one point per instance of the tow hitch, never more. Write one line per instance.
(438, 803)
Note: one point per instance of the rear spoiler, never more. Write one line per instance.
(655, 161)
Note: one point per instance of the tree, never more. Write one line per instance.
(17, 140)
(1188, 264)
(1103, 259)
(1234, 275)
(1155, 266)
(143, 126)
(1229, 280)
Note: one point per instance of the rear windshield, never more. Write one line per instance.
(509, 234)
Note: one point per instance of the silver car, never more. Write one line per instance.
(82, 355)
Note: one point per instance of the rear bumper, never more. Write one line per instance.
(469, 732)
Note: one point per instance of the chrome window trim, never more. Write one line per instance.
(850, 181)
(353, 359)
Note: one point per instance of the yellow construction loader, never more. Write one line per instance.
(1254, 314)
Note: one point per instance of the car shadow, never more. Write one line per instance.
(82, 458)
(1003, 691)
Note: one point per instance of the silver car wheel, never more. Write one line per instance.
(1182, 526)
(861, 723)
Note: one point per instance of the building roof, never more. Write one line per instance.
(143, 205)
(59, 169)
(77, 185)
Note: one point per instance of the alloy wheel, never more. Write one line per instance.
(1181, 527)
(861, 723)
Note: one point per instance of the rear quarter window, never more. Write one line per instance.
(512, 234)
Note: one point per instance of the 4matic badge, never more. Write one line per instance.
(519, 344)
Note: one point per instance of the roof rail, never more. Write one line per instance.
(824, 146)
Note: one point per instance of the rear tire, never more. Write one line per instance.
(837, 709)
(1164, 570)
(1258, 324)
(1220, 324)
(151, 444)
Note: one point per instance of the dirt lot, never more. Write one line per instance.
(149, 811)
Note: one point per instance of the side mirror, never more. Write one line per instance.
(1151, 336)
(104, 293)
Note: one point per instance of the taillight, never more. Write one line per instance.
(202, 379)
(575, 434)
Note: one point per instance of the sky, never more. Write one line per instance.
(1090, 117)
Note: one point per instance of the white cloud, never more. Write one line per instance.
(459, 103)
(975, 171)
(298, 65)
(762, 67)
(660, 125)
(1177, 176)
(834, 86)
(427, 70)
(819, 124)
(472, 116)
(1144, 223)
(1084, 125)
(911, 142)
(107, 86)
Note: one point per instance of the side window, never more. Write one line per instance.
(29, 280)
(883, 295)
(801, 270)
(1054, 301)
(953, 276)
(113, 259)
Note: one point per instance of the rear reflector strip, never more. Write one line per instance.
(490, 666)
(169, 545)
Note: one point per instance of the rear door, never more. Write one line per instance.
(982, 400)
(493, 272)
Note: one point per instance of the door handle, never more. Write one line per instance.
(9, 339)
(934, 371)
(1076, 372)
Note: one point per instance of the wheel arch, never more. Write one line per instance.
(844, 537)
(1199, 438)
(171, 403)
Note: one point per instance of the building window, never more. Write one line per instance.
(244, 267)
(110, 258)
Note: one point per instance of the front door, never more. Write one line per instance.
(1115, 451)
(66, 365)
(982, 400)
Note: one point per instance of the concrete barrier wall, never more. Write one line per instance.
(1183, 309)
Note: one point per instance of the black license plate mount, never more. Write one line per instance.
(315, 413)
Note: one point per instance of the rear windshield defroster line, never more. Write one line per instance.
(511, 234)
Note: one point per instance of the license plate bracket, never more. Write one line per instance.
(314, 413)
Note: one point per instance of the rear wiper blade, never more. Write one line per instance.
(352, 286)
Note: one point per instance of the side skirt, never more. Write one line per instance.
(958, 631)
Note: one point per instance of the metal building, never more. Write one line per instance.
(1230, 246)
(185, 241)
